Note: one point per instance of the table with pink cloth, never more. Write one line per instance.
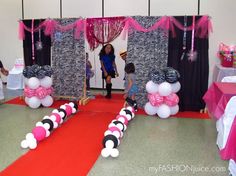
(216, 98)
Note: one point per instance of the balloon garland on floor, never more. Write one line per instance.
(115, 132)
(44, 128)
(162, 89)
(38, 86)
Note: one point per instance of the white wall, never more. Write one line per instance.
(10, 46)
(222, 13)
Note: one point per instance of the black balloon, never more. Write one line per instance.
(157, 76)
(41, 74)
(50, 122)
(171, 75)
(48, 70)
(62, 110)
(110, 137)
(116, 122)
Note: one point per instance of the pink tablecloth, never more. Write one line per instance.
(217, 97)
(229, 152)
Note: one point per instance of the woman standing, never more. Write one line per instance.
(108, 66)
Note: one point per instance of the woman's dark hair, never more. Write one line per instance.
(129, 68)
(102, 52)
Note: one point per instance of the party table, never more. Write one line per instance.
(217, 97)
(220, 72)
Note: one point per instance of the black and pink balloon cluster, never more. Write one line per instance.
(115, 132)
(162, 93)
(44, 128)
(38, 85)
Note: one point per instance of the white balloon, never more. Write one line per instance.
(39, 124)
(165, 89)
(33, 83)
(105, 153)
(27, 100)
(107, 132)
(34, 102)
(46, 82)
(26, 81)
(114, 153)
(151, 87)
(47, 133)
(24, 144)
(163, 111)
(46, 126)
(109, 144)
(175, 87)
(117, 134)
(32, 144)
(29, 136)
(174, 109)
(149, 109)
(47, 101)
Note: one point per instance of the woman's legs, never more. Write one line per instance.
(108, 86)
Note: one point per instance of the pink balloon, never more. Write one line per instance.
(39, 133)
(126, 121)
(171, 100)
(41, 92)
(58, 117)
(155, 99)
(114, 128)
(68, 110)
(29, 92)
(49, 91)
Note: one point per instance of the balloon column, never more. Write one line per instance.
(45, 127)
(38, 86)
(162, 89)
(115, 132)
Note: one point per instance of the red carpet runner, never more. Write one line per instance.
(73, 148)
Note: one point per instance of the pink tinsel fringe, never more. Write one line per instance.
(50, 26)
(21, 32)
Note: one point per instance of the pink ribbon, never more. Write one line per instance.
(32, 37)
(21, 32)
(40, 92)
(157, 100)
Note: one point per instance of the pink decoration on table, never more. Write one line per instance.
(229, 152)
(126, 121)
(155, 99)
(217, 97)
(171, 100)
(39, 133)
(58, 117)
(68, 109)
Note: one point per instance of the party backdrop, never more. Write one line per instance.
(68, 62)
(41, 43)
(148, 51)
(194, 74)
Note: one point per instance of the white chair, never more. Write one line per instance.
(1, 90)
(231, 79)
(232, 167)
(224, 124)
(15, 79)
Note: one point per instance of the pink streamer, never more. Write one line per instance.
(50, 26)
(79, 27)
(21, 32)
(29, 92)
(40, 92)
(203, 27)
(156, 99)
(32, 36)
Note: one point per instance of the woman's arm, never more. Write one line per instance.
(115, 67)
(103, 68)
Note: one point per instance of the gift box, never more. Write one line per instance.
(227, 55)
